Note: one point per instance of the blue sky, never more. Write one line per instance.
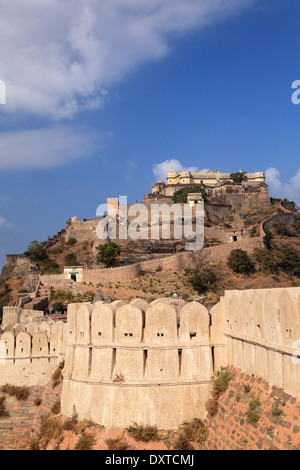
(99, 101)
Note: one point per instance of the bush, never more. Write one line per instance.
(181, 443)
(71, 241)
(107, 253)
(181, 195)
(200, 276)
(266, 259)
(143, 433)
(49, 266)
(85, 442)
(21, 393)
(119, 443)
(36, 252)
(50, 428)
(71, 423)
(71, 260)
(194, 431)
(3, 411)
(219, 387)
(288, 260)
(240, 262)
(252, 414)
(283, 230)
(56, 408)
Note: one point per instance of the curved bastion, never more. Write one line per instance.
(136, 362)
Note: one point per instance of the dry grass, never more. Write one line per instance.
(21, 393)
(143, 433)
(118, 443)
(85, 442)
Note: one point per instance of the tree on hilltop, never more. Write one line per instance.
(239, 176)
(107, 253)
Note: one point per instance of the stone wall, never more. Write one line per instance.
(154, 363)
(262, 330)
(176, 262)
(278, 426)
(140, 362)
(30, 354)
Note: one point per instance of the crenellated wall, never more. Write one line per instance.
(140, 362)
(154, 363)
(29, 354)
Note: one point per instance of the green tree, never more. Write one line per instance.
(240, 262)
(288, 260)
(181, 195)
(266, 260)
(36, 252)
(200, 275)
(58, 306)
(108, 253)
(239, 177)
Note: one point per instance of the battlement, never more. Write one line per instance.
(153, 363)
(30, 353)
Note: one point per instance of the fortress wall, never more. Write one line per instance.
(29, 355)
(283, 217)
(138, 362)
(263, 331)
(175, 262)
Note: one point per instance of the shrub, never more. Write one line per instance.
(21, 393)
(194, 430)
(266, 259)
(85, 442)
(49, 266)
(56, 408)
(143, 433)
(277, 411)
(58, 306)
(200, 275)
(221, 383)
(71, 423)
(3, 411)
(50, 428)
(181, 195)
(71, 241)
(71, 260)
(252, 414)
(119, 443)
(283, 230)
(240, 262)
(288, 260)
(107, 253)
(34, 444)
(181, 443)
(219, 387)
(36, 252)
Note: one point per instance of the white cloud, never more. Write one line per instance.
(58, 57)
(161, 170)
(290, 190)
(45, 148)
(4, 223)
